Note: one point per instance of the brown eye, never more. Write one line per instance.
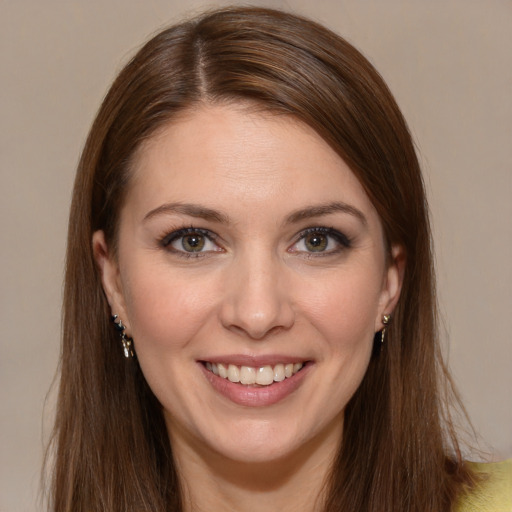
(316, 242)
(193, 243)
(321, 240)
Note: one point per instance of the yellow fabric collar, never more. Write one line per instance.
(494, 493)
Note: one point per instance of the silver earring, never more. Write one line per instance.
(385, 320)
(125, 340)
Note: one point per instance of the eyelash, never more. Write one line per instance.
(341, 240)
(169, 238)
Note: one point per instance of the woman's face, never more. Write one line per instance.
(248, 251)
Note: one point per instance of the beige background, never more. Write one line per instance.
(449, 64)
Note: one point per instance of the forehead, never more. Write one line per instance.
(228, 155)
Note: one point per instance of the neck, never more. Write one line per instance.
(294, 483)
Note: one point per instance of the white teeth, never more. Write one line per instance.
(247, 375)
(265, 376)
(223, 371)
(233, 373)
(279, 372)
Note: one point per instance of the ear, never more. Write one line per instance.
(391, 285)
(110, 276)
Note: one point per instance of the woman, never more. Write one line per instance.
(249, 211)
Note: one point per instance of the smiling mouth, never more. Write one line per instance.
(254, 376)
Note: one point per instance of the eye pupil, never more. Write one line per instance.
(316, 242)
(193, 243)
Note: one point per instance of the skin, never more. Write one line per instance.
(256, 290)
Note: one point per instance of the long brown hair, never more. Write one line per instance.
(111, 449)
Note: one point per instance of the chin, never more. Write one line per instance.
(267, 441)
(255, 451)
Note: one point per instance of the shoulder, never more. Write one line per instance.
(493, 493)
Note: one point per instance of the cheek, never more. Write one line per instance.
(164, 309)
(342, 314)
(343, 310)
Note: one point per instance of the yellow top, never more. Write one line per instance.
(494, 493)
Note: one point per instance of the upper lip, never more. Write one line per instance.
(255, 361)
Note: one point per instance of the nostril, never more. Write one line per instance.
(257, 335)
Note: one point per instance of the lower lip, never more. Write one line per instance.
(256, 396)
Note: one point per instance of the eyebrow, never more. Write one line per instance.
(192, 210)
(202, 212)
(325, 209)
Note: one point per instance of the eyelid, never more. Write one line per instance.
(167, 240)
(178, 233)
(343, 241)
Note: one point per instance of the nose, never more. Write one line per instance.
(257, 300)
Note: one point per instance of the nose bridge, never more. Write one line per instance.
(256, 300)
